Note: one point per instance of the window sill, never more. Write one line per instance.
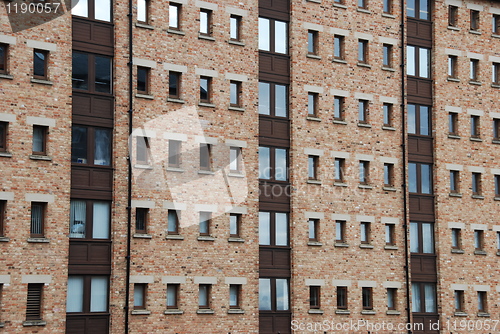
(173, 311)
(362, 10)
(144, 25)
(340, 184)
(495, 35)
(141, 166)
(208, 105)
(34, 323)
(38, 240)
(388, 128)
(206, 172)
(207, 311)
(142, 236)
(43, 82)
(480, 252)
(4, 239)
(315, 1)
(390, 69)
(6, 76)
(477, 83)
(236, 42)
(314, 243)
(342, 61)
(235, 239)
(460, 314)
(455, 194)
(393, 312)
(341, 244)
(391, 247)
(312, 118)
(2, 324)
(40, 157)
(140, 312)
(495, 141)
(6, 154)
(342, 312)
(453, 28)
(454, 137)
(176, 32)
(206, 37)
(390, 16)
(236, 175)
(475, 32)
(175, 169)
(174, 237)
(483, 314)
(453, 79)
(364, 65)
(475, 139)
(368, 312)
(498, 253)
(495, 85)
(364, 125)
(145, 96)
(313, 181)
(457, 251)
(235, 311)
(389, 189)
(477, 197)
(205, 238)
(339, 5)
(236, 108)
(366, 246)
(315, 311)
(171, 99)
(313, 56)
(496, 198)
(339, 122)
(364, 186)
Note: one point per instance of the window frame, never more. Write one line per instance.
(479, 240)
(387, 113)
(91, 12)
(418, 10)
(91, 74)
(141, 214)
(459, 300)
(142, 150)
(342, 297)
(452, 67)
(312, 104)
(339, 47)
(89, 221)
(46, 55)
(419, 181)
(362, 4)
(365, 233)
(3, 211)
(208, 81)
(273, 167)
(339, 166)
(4, 127)
(313, 229)
(90, 146)
(44, 131)
(340, 231)
(143, 288)
(272, 229)
(235, 290)
(495, 29)
(171, 213)
(238, 159)
(475, 126)
(474, 70)
(495, 73)
(178, 78)
(312, 42)
(418, 120)
(390, 234)
(476, 180)
(271, 33)
(205, 151)
(387, 55)
(418, 62)
(147, 78)
(363, 111)
(205, 303)
(174, 160)
(475, 20)
(313, 167)
(237, 25)
(208, 25)
(392, 298)
(314, 297)
(421, 296)
(87, 294)
(367, 298)
(236, 223)
(176, 289)
(146, 4)
(34, 302)
(42, 220)
(238, 87)
(364, 172)
(363, 51)
(205, 222)
(389, 175)
(339, 108)
(452, 16)
(482, 302)
(456, 238)
(454, 181)
(178, 16)
(496, 180)
(387, 7)
(273, 105)
(4, 49)
(453, 124)
(419, 240)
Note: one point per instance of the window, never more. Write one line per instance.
(497, 185)
(496, 24)
(312, 167)
(339, 1)
(141, 220)
(314, 297)
(496, 129)
(273, 229)
(234, 296)
(3, 58)
(458, 296)
(273, 163)
(422, 238)
(387, 56)
(312, 104)
(454, 181)
(34, 302)
(234, 225)
(235, 94)
(3, 209)
(173, 222)
(342, 297)
(478, 240)
(365, 232)
(40, 62)
(367, 298)
(3, 136)
(205, 89)
(314, 230)
(340, 227)
(475, 126)
(387, 6)
(142, 150)
(89, 219)
(419, 9)
(362, 50)
(273, 35)
(419, 120)
(140, 296)
(364, 172)
(173, 296)
(387, 114)
(91, 145)
(312, 42)
(339, 169)
(452, 16)
(204, 296)
(392, 298)
(205, 220)
(363, 111)
(273, 294)
(174, 16)
(40, 139)
(87, 294)
(92, 9)
(338, 108)
(37, 228)
(482, 302)
(205, 157)
(273, 99)
(143, 79)
(174, 85)
(235, 28)
(418, 61)
(235, 159)
(474, 70)
(453, 124)
(456, 238)
(174, 153)
(474, 20)
(452, 67)
(205, 22)
(423, 297)
(363, 4)
(495, 73)
(389, 175)
(91, 72)
(390, 239)
(476, 184)
(420, 178)
(338, 47)
(143, 11)
(498, 241)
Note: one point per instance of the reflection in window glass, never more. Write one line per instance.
(264, 163)
(264, 228)
(412, 177)
(281, 37)
(264, 294)
(102, 150)
(102, 74)
(80, 8)
(79, 145)
(264, 34)
(74, 301)
(428, 238)
(424, 9)
(101, 220)
(80, 75)
(173, 16)
(425, 172)
(424, 120)
(410, 61)
(414, 240)
(264, 98)
(281, 294)
(103, 10)
(281, 101)
(99, 294)
(281, 164)
(412, 119)
(141, 11)
(424, 66)
(281, 229)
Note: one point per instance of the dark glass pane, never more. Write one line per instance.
(39, 64)
(142, 77)
(204, 89)
(102, 148)
(80, 76)
(79, 145)
(2, 58)
(102, 74)
(173, 84)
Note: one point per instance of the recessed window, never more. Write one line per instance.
(34, 302)
(496, 129)
(40, 64)
(205, 22)
(363, 111)
(235, 94)
(420, 178)
(173, 222)
(458, 296)
(234, 296)
(273, 228)
(37, 227)
(142, 150)
(392, 298)
(453, 123)
(362, 50)
(367, 296)
(478, 240)
(482, 302)
(340, 227)
(143, 11)
(91, 72)
(387, 6)
(235, 159)
(174, 16)
(273, 163)
(387, 55)
(419, 9)
(89, 219)
(339, 169)
(314, 230)
(423, 297)
(498, 241)
(204, 296)
(143, 80)
(205, 157)
(174, 85)
(40, 139)
(418, 61)
(91, 146)
(312, 167)
(92, 9)
(141, 220)
(497, 185)
(273, 35)
(3, 136)
(365, 232)
(342, 297)
(421, 238)
(312, 104)
(496, 24)
(495, 73)
(338, 47)
(452, 67)
(474, 70)
(475, 126)
(205, 220)
(273, 99)
(140, 296)
(173, 296)
(363, 4)
(3, 58)
(390, 239)
(387, 114)
(174, 153)
(419, 120)
(235, 28)
(205, 89)
(314, 297)
(338, 108)
(454, 181)
(273, 294)
(456, 238)
(364, 172)
(388, 175)
(452, 16)
(234, 225)
(474, 20)
(312, 42)
(3, 208)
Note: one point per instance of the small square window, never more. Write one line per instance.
(365, 232)
(143, 80)
(234, 296)
(338, 108)
(205, 219)
(453, 123)
(140, 296)
(388, 175)
(40, 62)
(312, 42)
(314, 297)
(235, 28)
(452, 16)
(495, 73)
(387, 7)
(205, 89)
(387, 56)
(234, 225)
(476, 183)
(482, 302)
(174, 85)
(363, 111)
(235, 159)
(314, 230)
(3, 58)
(173, 222)
(474, 70)
(459, 300)
(143, 11)
(338, 47)
(174, 16)
(454, 181)
(475, 126)
(456, 238)
(173, 296)
(367, 294)
(339, 169)
(204, 296)
(37, 226)
(362, 50)
(174, 153)
(496, 24)
(205, 22)
(205, 157)
(235, 94)
(474, 20)
(387, 114)
(452, 67)
(392, 298)
(312, 104)
(40, 139)
(312, 167)
(478, 240)
(141, 220)
(390, 239)
(342, 297)
(3, 136)
(340, 231)
(142, 150)
(364, 172)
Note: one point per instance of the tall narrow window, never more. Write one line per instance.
(478, 240)
(235, 94)
(338, 108)
(362, 50)
(387, 114)
(340, 227)
(205, 22)
(476, 184)
(342, 297)
(419, 120)
(37, 219)
(40, 64)
(475, 126)
(3, 136)
(273, 163)
(474, 70)
(452, 67)
(142, 150)
(312, 42)
(140, 296)
(97, 9)
(204, 296)
(40, 139)
(339, 169)
(34, 302)
(205, 89)
(87, 294)
(273, 99)
(312, 167)
(422, 238)
(142, 11)
(205, 157)
(338, 47)
(454, 181)
(173, 222)
(312, 104)
(495, 73)
(458, 296)
(387, 56)
(174, 16)
(174, 153)
(365, 232)
(3, 208)
(141, 220)
(392, 298)
(424, 297)
(497, 185)
(456, 238)
(143, 80)
(452, 16)
(453, 124)
(389, 175)
(314, 230)
(174, 85)
(89, 219)
(314, 297)
(92, 73)
(234, 225)
(364, 172)
(235, 28)
(367, 294)
(3, 58)
(496, 129)
(363, 111)
(474, 20)
(390, 239)
(234, 296)
(496, 24)
(482, 302)
(235, 159)
(173, 296)
(204, 226)
(387, 6)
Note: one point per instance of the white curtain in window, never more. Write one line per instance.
(80, 8)
(138, 295)
(428, 237)
(416, 305)
(265, 294)
(430, 298)
(103, 10)
(171, 295)
(98, 294)
(74, 301)
(264, 228)
(36, 219)
(282, 294)
(101, 220)
(414, 238)
(78, 211)
(102, 156)
(281, 229)
(281, 37)
(264, 34)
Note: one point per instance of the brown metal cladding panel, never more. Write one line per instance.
(102, 179)
(266, 258)
(266, 323)
(427, 321)
(82, 31)
(92, 105)
(419, 32)
(100, 253)
(418, 146)
(97, 33)
(98, 324)
(276, 193)
(419, 87)
(103, 34)
(78, 253)
(281, 258)
(85, 269)
(274, 323)
(270, 206)
(91, 178)
(82, 104)
(423, 268)
(265, 127)
(80, 178)
(274, 258)
(421, 207)
(275, 65)
(91, 194)
(276, 5)
(75, 325)
(95, 48)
